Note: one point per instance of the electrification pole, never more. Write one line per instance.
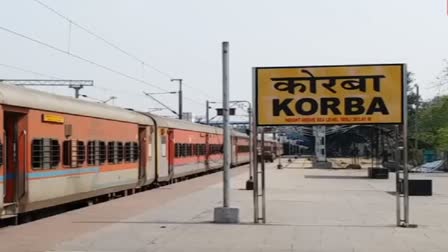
(207, 106)
(225, 101)
(180, 96)
(226, 214)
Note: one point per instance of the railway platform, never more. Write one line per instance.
(307, 210)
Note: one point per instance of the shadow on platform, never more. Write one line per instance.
(163, 224)
(334, 177)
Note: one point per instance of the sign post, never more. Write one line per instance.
(333, 95)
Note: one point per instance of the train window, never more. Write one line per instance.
(120, 152)
(188, 152)
(197, 149)
(55, 153)
(180, 150)
(96, 152)
(135, 152)
(112, 152)
(243, 148)
(74, 153)
(176, 150)
(102, 155)
(127, 152)
(216, 149)
(183, 150)
(91, 153)
(203, 149)
(81, 153)
(45, 153)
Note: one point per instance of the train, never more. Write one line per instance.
(56, 150)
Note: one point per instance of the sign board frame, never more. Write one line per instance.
(397, 73)
(402, 217)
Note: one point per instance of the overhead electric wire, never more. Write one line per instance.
(112, 90)
(201, 91)
(29, 71)
(81, 58)
(116, 47)
(93, 62)
(113, 45)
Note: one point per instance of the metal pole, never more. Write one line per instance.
(251, 146)
(180, 99)
(180, 96)
(416, 118)
(225, 101)
(405, 154)
(255, 148)
(263, 183)
(279, 165)
(76, 88)
(207, 120)
(397, 176)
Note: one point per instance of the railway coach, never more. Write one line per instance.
(56, 149)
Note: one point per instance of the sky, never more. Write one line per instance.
(182, 39)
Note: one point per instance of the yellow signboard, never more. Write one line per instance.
(319, 95)
(52, 118)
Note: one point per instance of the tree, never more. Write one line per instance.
(434, 123)
(413, 103)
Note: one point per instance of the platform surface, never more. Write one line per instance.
(307, 210)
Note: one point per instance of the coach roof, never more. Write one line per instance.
(183, 124)
(186, 125)
(30, 98)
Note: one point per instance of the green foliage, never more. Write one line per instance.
(413, 103)
(443, 139)
(433, 123)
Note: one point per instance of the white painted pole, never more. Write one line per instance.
(225, 101)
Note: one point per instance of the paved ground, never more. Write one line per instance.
(307, 210)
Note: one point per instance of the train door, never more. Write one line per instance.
(171, 152)
(151, 171)
(142, 141)
(234, 144)
(15, 164)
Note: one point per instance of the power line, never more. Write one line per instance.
(29, 71)
(81, 58)
(201, 91)
(112, 90)
(113, 45)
